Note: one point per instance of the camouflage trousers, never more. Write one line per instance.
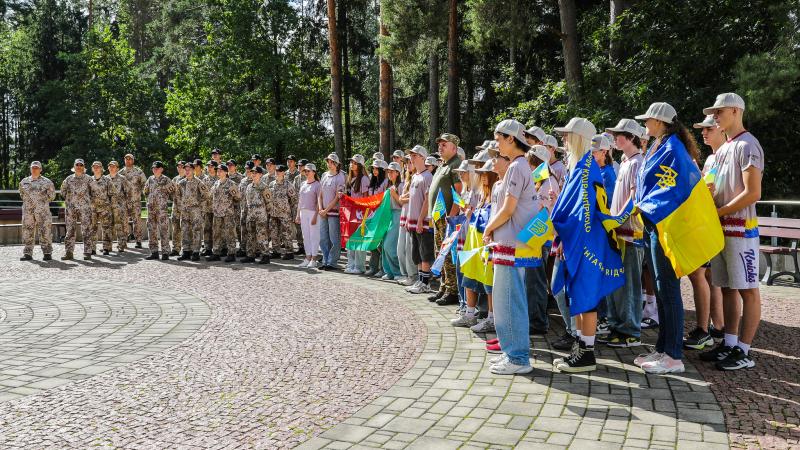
(244, 233)
(158, 230)
(192, 229)
(119, 226)
(73, 216)
(237, 224)
(224, 235)
(257, 235)
(208, 230)
(282, 233)
(175, 225)
(101, 228)
(134, 213)
(449, 285)
(33, 224)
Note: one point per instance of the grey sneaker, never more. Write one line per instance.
(506, 367)
(484, 326)
(420, 288)
(413, 285)
(466, 321)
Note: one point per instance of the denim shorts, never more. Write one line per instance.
(473, 285)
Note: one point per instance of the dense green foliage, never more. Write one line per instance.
(175, 78)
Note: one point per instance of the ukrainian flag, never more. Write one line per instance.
(474, 258)
(592, 266)
(439, 208)
(671, 193)
(538, 231)
(457, 198)
(541, 173)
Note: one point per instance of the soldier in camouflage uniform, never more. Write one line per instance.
(243, 232)
(75, 190)
(118, 191)
(158, 189)
(101, 209)
(36, 192)
(237, 178)
(224, 194)
(136, 178)
(175, 215)
(257, 197)
(193, 196)
(208, 216)
(281, 225)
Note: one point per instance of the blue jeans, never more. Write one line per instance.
(511, 313)
(329, 240)
(536, 290)
(357, 260)
(407, 266)
(561, 301)
(391, 263)
(625, 304)
(668, 295)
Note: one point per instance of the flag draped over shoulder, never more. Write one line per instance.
(474, 258)
(352, 212)
(671, 194)
(592, 266)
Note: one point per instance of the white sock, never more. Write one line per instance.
(588, 340)
(471, 310)
(745, 347)
(491, 315)
(579, 333)
(731, 340)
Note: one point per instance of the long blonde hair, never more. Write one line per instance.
(576, 146)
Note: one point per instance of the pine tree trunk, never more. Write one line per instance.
(385, 103)
(433, 98)
(569, 41)
(345, 50)
(453, 107)
(336, 81)
(615, 51)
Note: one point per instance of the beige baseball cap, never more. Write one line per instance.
(550, 141)
(660, 111)
(419, 150)
(394, 166)
(333, 157)
(726, 100)
(578, 125)
(513, 128)
(541, 152)
(626, 126)
(464, 167)
(536, 132)
(708, 122)
(488, 166)
(600, 142)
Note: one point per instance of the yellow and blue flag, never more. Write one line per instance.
(592, 266)
(474, 258)
(711, 176)
(538, 231)
(541, 173)
(457, 198)
(672, 195)
(439, 207)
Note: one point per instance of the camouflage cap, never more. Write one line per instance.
(36, 164)
(157, 165)
(449, 137)
(113, 163)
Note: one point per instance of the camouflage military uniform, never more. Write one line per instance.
(193, 196)
(281, 225)
(175, 217)
(118, 191)
(36, 196)
(136, 178)
(158, 190)
(237, 178)
(257, 197)
(101, 212)
(75, 190)
(208, 215)
(243, 232)
(224, 194)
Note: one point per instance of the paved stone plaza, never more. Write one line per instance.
(121, 352)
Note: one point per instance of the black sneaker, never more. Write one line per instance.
(581, 360)
(436, 296)
(735, 360)
(718, 353)
(715, 333)
(564, 342)
(605, 338)
(619, 340)
(649, 324)
(449, 299)
(602, 327)
(698, 340)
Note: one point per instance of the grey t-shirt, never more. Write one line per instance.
(518, 183)
(309, 193)
(420, 184)
(731, 160)
(330, 185)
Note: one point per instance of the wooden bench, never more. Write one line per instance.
(782, 229)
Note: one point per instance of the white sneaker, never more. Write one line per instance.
(506, 367)
(412, 286)
(407, 281)
(665, 364)
(312, 264)
(646, 358)
(420, 288)
(484, 326)
(498, 359)
(465, 320)
(387, 277)
(304, 263)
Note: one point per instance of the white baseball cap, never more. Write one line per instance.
(398, 153)
(726, 100)
(461, 154)
(464, 167)
(394, 166)
(488, 166)
(600, 142)
(481, 157)
(483, 146)
(359, 159)
(541, 152)
(310, 166)
(550, 141)
(578, 125)
(333, 157)
(536, 132)
(626, 126)
(379, 163)
(431, 161)
(660, 111)
(420, 150)
(377, 155)
(708, 122)
(513, 128)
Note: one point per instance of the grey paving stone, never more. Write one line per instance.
(429, 443)
(497, 435)
(409, 425)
